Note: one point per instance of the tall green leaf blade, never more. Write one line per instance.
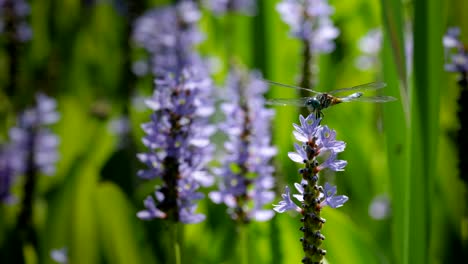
(70, 203)
(392, 15)
(56, 232)
(395, 119)
(424, 125)
(84, 237)
(118, 227)
(395, 129)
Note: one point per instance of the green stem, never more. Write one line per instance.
(243, 243)
(307, 75)
(25, 226)
(176, 234)
(230, 36)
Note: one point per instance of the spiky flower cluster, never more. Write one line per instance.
(31, 140)
(455, 53)
(370, 46)
(177, 137)
(169, 35)
(246, 176)
(318, 152)
(220, 7)
(13, 15)
(310, 20)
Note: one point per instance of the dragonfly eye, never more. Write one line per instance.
(313, 103)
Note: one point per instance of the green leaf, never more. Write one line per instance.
(121, 232)
(395, 127)
(396, 121)
(424, 126)
(71, 222)
(346, 243)
(392, 15)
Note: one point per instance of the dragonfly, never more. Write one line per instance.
(322, 100)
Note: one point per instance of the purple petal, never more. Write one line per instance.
(151, 211)
(286, 204)
(262, 215)
(216, 197)
(330, 199)
(300, 196)
(295, 157)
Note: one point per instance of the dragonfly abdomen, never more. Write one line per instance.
(351, 97)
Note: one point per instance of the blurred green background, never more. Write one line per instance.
(403, 153)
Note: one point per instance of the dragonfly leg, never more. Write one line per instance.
(318, 114)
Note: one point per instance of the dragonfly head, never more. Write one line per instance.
(313, 104)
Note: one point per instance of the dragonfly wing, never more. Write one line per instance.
(363, 87)
(289, 86)
(284, 102)
(370, 99)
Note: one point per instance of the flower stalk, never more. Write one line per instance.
(244, 249)
(177, 136)
(13, 18)
(456, 57)
(245, 178)
(310, 22)
(176, 231)
(32, 150)
(318, 151)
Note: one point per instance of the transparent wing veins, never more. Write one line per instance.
(362, 87)
(284, 102)
(371, 99)
(290, 86)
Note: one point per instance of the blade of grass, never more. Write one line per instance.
(397, 147)
(396, 118)
(392, 15)
(259, 42)
(424, 124)
(121, 234)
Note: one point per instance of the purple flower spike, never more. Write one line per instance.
(169, 35)
(330, 199)
(177, 137)
(455, 52)
(13, 19)
(32, 129)
(45, 142)
(245, 179)
(31, 134)
(310, 20)
(318, 143)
